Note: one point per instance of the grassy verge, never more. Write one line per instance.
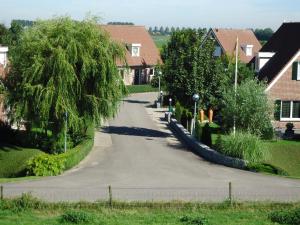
(284, 158)
(141, 88)
(31, 211)
(13, 160)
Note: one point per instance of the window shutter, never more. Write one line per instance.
(277, 110)
(295, 71)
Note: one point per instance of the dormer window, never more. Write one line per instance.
(135, 50)
(248, 49)
(261, 59)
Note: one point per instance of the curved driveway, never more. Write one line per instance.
(140, 158)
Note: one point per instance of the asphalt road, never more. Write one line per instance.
(141, 159)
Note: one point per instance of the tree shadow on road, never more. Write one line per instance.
(135, 131)
(136, 101)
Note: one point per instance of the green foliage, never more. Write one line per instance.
(52, 165)
(206, 135)
(46, 165)
(178, 111)
(188, 220)
(186, 118)
(291, 216)
(250, 108)
(198, 130)
(263, 34)
(60, 66)
(141, 88)
(190, 67)
(244, 145)
(77, 217)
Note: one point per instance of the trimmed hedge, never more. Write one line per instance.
(52, 165)
(141, 88)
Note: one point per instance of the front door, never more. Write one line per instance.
(137, 76)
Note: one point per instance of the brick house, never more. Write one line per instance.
(278, 63)
(3, 65)
(225, 43)
(142, 55)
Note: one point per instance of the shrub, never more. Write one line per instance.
(206, 135)
(184, 118)
(286, 217)
(244, 145)
(46, 165)
(250, 108)
(178, 112)
(188, 220)
(52, 165)
(77, 217)
(198, 130)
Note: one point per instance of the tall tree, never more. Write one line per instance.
(64, 66)
(189, 68)
(161, 30)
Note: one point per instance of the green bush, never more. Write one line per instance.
(244, 145)
(206, 135)
(251, 108)
(52, 165)
(77, 217)
(188, 220)
(46, 165)
(198, 130)
(178, 111)
(291, 217)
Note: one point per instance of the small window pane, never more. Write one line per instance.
(296, 109)
(286, 109)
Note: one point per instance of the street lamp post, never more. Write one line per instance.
(161, 98)
(196, 99)
(170, 105)
(159, 75)
(66, 128)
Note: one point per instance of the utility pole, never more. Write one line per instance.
(235, 81)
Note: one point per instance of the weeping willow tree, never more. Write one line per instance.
(64, 66)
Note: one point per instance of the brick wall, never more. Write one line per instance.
(286, 89)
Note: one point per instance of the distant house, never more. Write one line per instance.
(142, 55)
(225, 40)
(3, 64)
(278, 63)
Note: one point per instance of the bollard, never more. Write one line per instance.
(1, 192)
(230, 193)
(109, 196)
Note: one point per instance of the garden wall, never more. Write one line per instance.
(203, 150)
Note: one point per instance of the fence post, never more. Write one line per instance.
(1, 192)
(230, 193)
(109, 196)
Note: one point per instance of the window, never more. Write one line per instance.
(151, 71)
(286, 109)
(296, 109)
(296, 71)
(218, 51)
(290, 110)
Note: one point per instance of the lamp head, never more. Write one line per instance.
(196, 97)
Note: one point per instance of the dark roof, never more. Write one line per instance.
(227, 40)
(285, 43)
(129, 34)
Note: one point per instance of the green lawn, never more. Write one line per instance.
(141, 88)
(161, 40)
(285, 154)
(151, 214)
(13, 160)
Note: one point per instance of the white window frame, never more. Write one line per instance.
(290, 119)
(298, 71)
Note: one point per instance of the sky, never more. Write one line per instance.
(181, 13)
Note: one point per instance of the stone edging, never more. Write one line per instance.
(203, 150)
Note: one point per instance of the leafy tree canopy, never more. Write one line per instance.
(63, 66)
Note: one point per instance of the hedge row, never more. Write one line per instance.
(52, 165)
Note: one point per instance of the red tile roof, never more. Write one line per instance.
(227, 40)
(127, 34)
